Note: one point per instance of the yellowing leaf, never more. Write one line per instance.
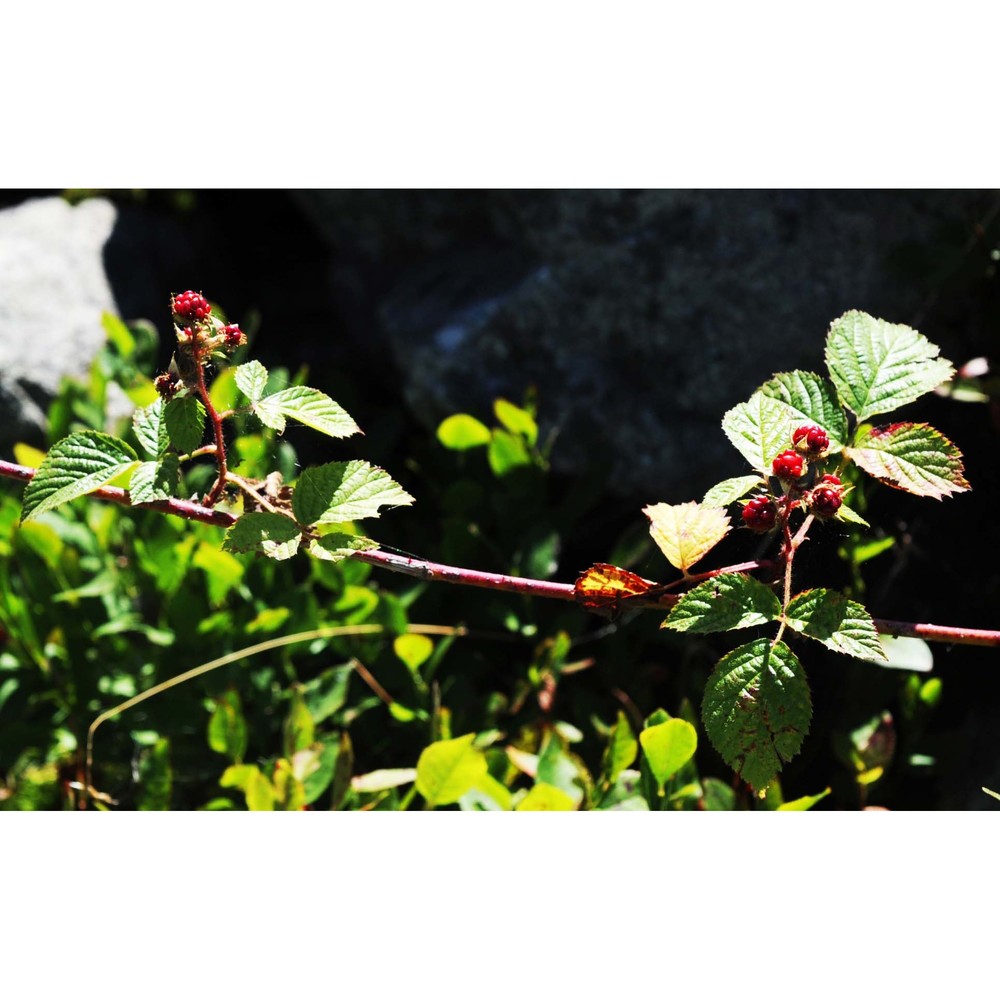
(686, 532)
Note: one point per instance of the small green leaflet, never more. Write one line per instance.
(76, 465)
(308, 406)
(911, 457)
(757, 709)
(337, 546)
(251, 380)
(154, 481)
(804, 803)
(151, 429)
(620, 751)
(668, 746)
(726, 601)
(447, 769)
(275, 535)
(729, 491)
(879, 366)
(759, 429)
(185, 420)
(344, 491)
(810, 399)
(841, 624)
(516, 420)
(461, 431)
(850, 516)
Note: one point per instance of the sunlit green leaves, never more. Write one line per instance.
(729, 491)
(516, 420)
(621, 750)
(759, 429)
(543, 797)
(810, 399)
(911, 457)
(150, 428)
(837, 622)
(686, 532)
(447, 769)
(757, 709)
(251, 380)
(345, 491)
(227, 728)
(726, 601)
(461, 431)
(76, 465)
(274, 535)
(154, 480)
(668, 746)
(879, 366)
(185, 420)
(308, 406)
(337, 546)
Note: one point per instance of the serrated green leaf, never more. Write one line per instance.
(757, 709)
(759, 429)
(803, 803)
(337, 546)
(275, 535)
(151, 429)
(668, 747)
(308, 406)
(911, 457)
(545, 798)
(621, 749)
(251, 380)
(686, 532)
(837, 622)
(447, 769)
(726, 601)
(185, 420)
(850, 516)
(516, 420)
(76, 465)
(810, 399)
(460, 431)
(345, 491)
(729, 491)
(154, 480)
(879, 366)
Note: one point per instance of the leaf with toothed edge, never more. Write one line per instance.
(686, 532)
(839, 623)
(273, 535)
(153, 481)
(76, 465)
(757, 709)
(185, 420)
(345, 491)
(726, 601)
(810, 399)
(729, 491)
(759, 429)
(308, 406)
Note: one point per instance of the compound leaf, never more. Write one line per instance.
(726, 601)
(686, 532)
(911, 457)
(757, 709)
(879, 366)
(837, 622)
(76, 465)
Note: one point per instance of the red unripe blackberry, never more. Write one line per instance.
(759, 514)
(830, 480)
(190, 306)
(235, 337)
(787, 465)
(811, 439)
(825, 501)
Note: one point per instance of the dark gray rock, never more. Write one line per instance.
(640, 317)
(53, 289)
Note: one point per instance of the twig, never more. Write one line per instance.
(426, 570)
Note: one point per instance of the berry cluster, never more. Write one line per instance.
(811, 440)
(190, 306)
(788, 465)
(827, 497)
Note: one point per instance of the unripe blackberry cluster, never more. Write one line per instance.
(759, 514)
(811, 440)
(788, 465)
(827, 497)
(190, 306)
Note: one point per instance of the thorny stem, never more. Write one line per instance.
(220, 441)
(427, 570)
